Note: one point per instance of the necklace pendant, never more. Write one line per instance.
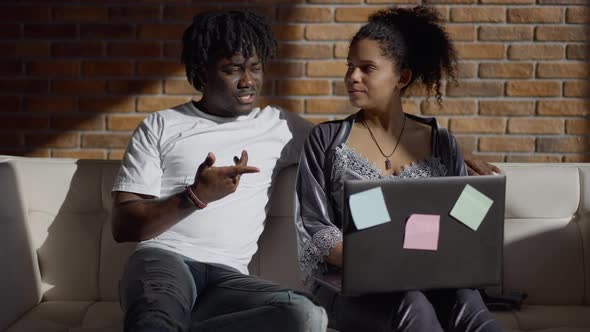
(387, 164)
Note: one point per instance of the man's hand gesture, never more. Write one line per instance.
(213, 183)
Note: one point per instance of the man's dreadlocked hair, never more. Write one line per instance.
(215, 35)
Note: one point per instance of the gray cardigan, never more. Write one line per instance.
(318, 202)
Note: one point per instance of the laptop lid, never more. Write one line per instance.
(375, 260)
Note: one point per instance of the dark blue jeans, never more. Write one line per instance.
(432, 311)
(163, 291)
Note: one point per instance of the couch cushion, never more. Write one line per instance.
(52, 316)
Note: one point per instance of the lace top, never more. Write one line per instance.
(349, 164)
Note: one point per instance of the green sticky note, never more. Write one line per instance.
(471, 207)
(368, 208)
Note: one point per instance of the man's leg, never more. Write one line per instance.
(463, 310)
(157, 292)
(237, 302)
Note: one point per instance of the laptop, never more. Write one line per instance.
(375, 260)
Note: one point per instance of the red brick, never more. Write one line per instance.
(277, 69)
(330, 31)
(288, 31)
(107, 104)
(506, 107)
(10, 31)
(79, 154)
(355, 14)
(304, 51)
(576, 89)
(563, 70)
(476, 89)
(563, 144)
(328, 106)
(109, 140)
(20, 14)
(24, 50)
(54, 68)
(535, 126)
(162, 31)
(449, 1)
(341, 50)
(535, 52)
(114, 154)
(77, 49)
(576, 158)
(304, 87)
(578, 15)
(506, 70)
(478, 125)
(535, 15)
(182, 87)
(566, 107)
(507, 2)
(536, 158)
(290, 104)
(505, 33)
(533, 89)
(134, 14)
(135, 49)
(506, 144)
(12, 140)
(10, 104)
(172, 50)
(489, 157)
(335, 68)
(450, 107)
(135, 86)
(467, 144)
(124, 122)
(339, 88)
(52, 31)
(577, 127)
(578, 52)
(305, 14)
(78, 86)
(107, 68)
(80, 14)
(165, 68)
(23, 86)
(26, 152)
(562, 33)
(151, 104)
(335, 1)
(107, 31)
(50, 104)
(461, 32)
(416, 2)
(78, 122)
(17, 122)
(480, 51)
(11, 68)
(478, 14)
(63, 140)
(466, 69)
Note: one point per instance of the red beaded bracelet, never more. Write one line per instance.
(196, 201)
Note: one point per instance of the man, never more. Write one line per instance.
(198, 232)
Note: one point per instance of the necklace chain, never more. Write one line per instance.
(387, 161)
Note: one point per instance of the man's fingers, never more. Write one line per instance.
(244, 158)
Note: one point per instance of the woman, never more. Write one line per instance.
(396, 48)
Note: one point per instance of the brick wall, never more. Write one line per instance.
(76, 77)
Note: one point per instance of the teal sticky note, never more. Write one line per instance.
(368, 208)
(471, 207)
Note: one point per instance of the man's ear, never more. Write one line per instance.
(405, 77)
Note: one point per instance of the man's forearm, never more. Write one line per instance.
(142, 219)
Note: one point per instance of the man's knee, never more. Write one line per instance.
(469, 297)
(417, 303)
(303, 315)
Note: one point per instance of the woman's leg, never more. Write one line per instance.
(407, 311)
(463, 310)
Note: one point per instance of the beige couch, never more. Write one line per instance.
(59, 266)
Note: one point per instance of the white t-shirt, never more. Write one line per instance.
(167, 148)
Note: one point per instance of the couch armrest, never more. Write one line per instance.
(20, 277)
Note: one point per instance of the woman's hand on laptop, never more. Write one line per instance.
(480, 167)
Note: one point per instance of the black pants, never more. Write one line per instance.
(442, 310)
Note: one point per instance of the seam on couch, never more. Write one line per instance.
(105, 212)
(578, 217)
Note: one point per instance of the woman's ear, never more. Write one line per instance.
(405, 77)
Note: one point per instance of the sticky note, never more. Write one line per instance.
(422, 232)
(471, 207)
(368, 208)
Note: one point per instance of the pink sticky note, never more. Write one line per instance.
(422, 232)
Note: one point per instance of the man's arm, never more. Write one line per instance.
(139, 217)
